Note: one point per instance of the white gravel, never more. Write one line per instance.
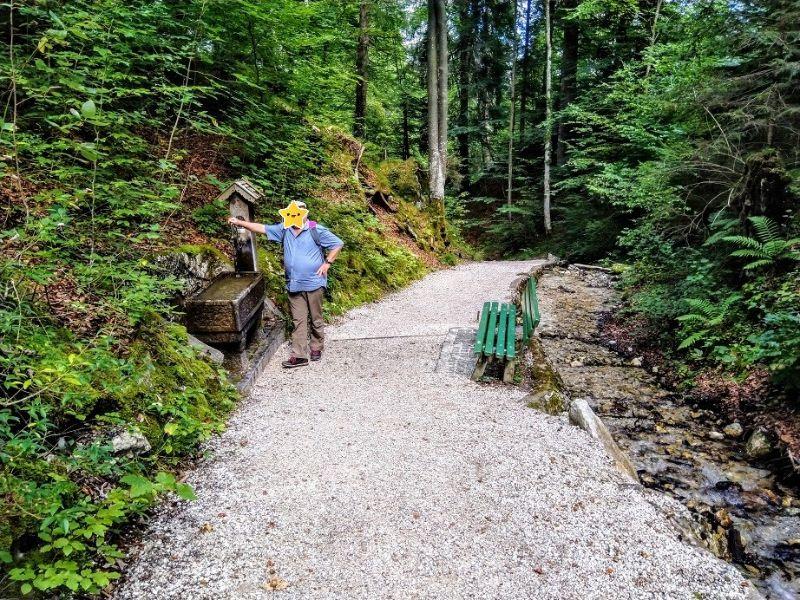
(370, 476)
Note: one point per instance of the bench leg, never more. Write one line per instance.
(508, 372)
(480, 367)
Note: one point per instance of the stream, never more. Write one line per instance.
(741, 511)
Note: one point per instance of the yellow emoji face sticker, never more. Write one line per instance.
(293, 215)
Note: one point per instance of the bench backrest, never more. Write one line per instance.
(497, 331)
(530, 309)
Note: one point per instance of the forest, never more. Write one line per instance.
(660, 139)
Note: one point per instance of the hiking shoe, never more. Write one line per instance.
(316, 354)
(294, 362)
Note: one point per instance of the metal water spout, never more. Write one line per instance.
(240, 239)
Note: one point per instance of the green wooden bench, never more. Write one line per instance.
(530, 310)
(496, 339)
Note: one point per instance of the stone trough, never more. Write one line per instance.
(228, 310)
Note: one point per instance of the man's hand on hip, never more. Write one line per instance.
(323, 270)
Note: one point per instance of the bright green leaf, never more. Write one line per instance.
(88, 109)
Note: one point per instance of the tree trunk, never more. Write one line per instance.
(362, 63)
(486, 131)
(435, 121)
(526, 73)
(484, 100)
(406, 136)
(465, 42)
(653, 32)
(443, 55)
(254, 55)
(509, 186)
(569, 73)
(548, 128)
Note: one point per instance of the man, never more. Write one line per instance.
(306, 268)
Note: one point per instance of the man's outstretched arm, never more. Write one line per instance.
(273, 232)
(254, 227)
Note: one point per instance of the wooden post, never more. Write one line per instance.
(480, 368)
(508, 372)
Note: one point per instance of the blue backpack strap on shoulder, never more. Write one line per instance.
(312, 229)
(315, 236)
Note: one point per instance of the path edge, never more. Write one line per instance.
(580, 414)
(551, 397)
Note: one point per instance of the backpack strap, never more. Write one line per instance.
(312, 229)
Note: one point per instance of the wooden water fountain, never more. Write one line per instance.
(227, 313)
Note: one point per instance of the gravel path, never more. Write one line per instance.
(369, 475)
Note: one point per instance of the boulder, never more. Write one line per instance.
(551, 402)
(734, 430)
(758, 444)
(194, 266)
(130, 441)
(582, 415)
(716, 435)
(547, 389)
(215, 355)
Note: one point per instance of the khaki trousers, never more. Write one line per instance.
(305, 307)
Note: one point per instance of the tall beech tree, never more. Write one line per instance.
(526, 70)
(513, 100)
(569, 73)
(465, 48)
(362, 65)
(485, 82)
(548, 119)
(438, 73)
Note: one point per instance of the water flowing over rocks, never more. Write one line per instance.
(739, 511)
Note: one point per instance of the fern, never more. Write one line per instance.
(757, 264)
(767, 248)
(766, 229)
(721, 228)
(742, 240)
(705, 318)
(702, 306)
(692, 339)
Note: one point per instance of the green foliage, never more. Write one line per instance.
(210, 218)
(401, 177)
(64, 399)
(778, 346)
(767, 248)
(125, 119)
(706, 317)
(370, 264)
(76, 537)
(683, 165)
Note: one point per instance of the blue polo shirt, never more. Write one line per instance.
(301, 255)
